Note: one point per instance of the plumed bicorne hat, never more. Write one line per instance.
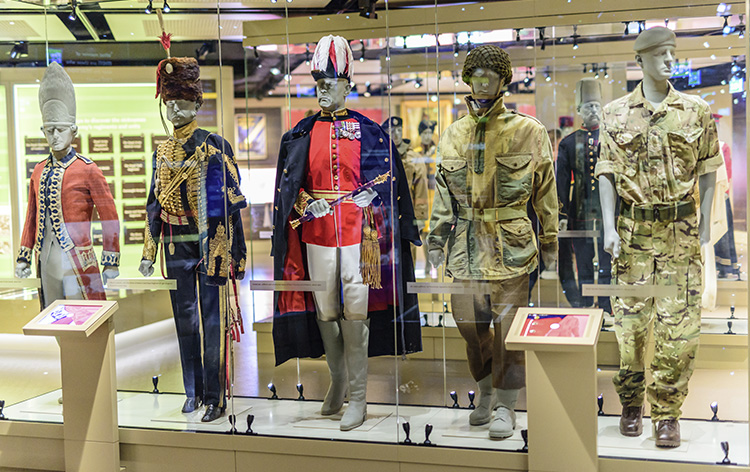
(57, 98)
(332, 59)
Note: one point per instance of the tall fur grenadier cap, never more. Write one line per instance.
(332, 59)
(179, 78)
(57, 98)
(652, 37)
(588, 90)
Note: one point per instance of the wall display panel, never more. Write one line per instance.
(6, 226)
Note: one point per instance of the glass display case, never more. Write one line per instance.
(367, 211)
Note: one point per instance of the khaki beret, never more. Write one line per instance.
(656, 36)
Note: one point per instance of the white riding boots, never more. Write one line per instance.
(505, 416)
(482, 414)
(333, 344)
(356, 336)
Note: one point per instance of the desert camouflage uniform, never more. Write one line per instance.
(656, 157)
(479, 213)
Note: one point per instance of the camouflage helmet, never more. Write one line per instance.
(488, 56)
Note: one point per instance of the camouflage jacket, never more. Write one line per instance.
(416, 176)
(657, 155)
(493, 238)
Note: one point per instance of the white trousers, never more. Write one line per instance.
(339, 267)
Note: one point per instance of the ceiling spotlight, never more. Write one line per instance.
(367, 93)
(362, 57)
(166, 8)
(274, 1)
(307, 54)
(542, 38)
(367, 9)
(575, 36)
(741, 28)
(606, 71)
(456, 46)
(726, 29)
(547, 76)
(204, 50)
(20, 49)
(585, 68)
(518, 34)
(417, 83)
(275, 71)
(150, 7)
(627, 28)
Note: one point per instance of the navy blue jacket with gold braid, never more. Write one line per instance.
(216, 208)
(295, 330)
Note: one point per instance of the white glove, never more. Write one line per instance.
(109, 273)
(364, 198)
(563, 225)
(23, 270)
(147, 268)
(436, 257)
(318, 208)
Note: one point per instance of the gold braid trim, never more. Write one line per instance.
(149, 245)
(303, 199)
(218, 247)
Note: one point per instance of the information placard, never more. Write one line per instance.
(554, 329)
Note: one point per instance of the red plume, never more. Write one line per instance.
(166, 40)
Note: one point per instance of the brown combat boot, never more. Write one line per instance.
(668, 433)
(631, 421)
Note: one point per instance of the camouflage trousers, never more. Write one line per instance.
(658, 253)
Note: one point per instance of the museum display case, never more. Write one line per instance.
(481, 131)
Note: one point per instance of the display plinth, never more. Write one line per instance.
(560, 347)
(85, 333)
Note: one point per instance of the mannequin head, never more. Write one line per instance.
(590, 113)
(332, 93)
(589, 102)
(485, 84)
(60, 137)
(657, 62)
(655, 53)
(181, 112)
(426, 131)
(487, 70)
(397, 135)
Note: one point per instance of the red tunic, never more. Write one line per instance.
(75, 188)
(333, 170)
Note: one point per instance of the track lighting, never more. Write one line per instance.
(166, 8)
(150, 7)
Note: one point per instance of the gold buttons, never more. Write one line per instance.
(333, 156)
(381, 140)
(333, 136)
(335, 167)
(336, 187)
(335, 177)
(286, 171)
(279, 189)
(276, 208)
(386, 159)
(333, 146)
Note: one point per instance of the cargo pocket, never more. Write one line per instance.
(518, 243)
(513, 177)
(682, 150)
(454, 171)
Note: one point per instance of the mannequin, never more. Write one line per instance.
(63, 191)
(580, 207)
(322, 158)
(203, 240)
(416, 173)
(481, 227)
(656, 142)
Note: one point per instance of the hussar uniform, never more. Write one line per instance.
(194, 208)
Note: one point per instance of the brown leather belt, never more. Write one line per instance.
(660, 212)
